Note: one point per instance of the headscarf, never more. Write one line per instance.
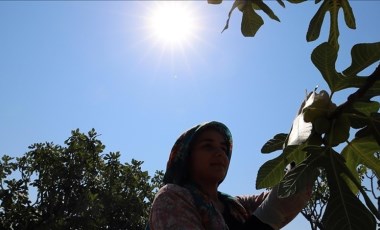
(177, 173)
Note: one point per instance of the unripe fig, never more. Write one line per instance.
(317, 105)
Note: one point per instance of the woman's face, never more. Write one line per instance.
(208, 159)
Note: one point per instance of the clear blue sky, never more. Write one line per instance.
(96, 64)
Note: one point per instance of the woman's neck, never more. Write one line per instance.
(210, 190)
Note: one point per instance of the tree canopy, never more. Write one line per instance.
(75, 186)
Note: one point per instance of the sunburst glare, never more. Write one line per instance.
(173, 23)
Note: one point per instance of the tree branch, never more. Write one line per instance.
(371, 79)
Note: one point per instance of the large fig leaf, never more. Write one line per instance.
(267, 10)
(361, 151)
(272, 171)
(374, 122)
(331, 6)
(361, 112)
(251, 21)
(299, 177)
(349, 17)
(353, 180)
(334, 6)
(344, 210)
(373, 91)
(316, 23)
(372, 128)
(362, 56)
(236, 4)
(366, 108)
(324, 57)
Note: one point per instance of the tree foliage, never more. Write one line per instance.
(75, 186)
(321, 126)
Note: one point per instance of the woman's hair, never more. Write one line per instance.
(177, 166)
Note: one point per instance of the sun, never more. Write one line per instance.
(172, 23)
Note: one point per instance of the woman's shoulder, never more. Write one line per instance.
(174, 208)
(175, 193)
(173, 189)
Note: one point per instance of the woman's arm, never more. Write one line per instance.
(278, 212)
(274, 211)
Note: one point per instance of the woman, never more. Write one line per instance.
(198, 163)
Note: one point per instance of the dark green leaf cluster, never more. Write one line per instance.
(74, 187)
(251, 20)
(321, 125)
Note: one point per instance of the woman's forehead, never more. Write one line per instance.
(210, 135)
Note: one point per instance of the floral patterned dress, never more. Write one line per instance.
(174, 208)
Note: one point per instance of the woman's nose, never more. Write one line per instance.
(220, 151)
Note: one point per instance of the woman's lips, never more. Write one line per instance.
(220, 164)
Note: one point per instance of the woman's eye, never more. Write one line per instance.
(208, 146)
(211, 147)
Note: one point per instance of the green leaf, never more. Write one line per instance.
(339, 131)
(298, 178)
(352, 162)
(324, 57)
(373, 91)
(361, 151)
(344, 210)
(334, 6)
(251, 21)
(362, 56)
(354, 180)
(372, 129)
(274, 144)
(237, 3)
(357, 119)
(362, 111)
(267, 10)
(281, 3)
(316, 23)
(366, 108)
(348, 14)
(272, 171)
(374, 123)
